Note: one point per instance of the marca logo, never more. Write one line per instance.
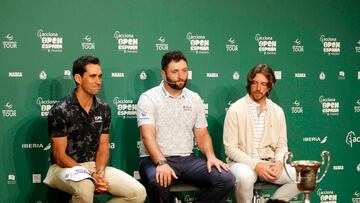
(199, 44)
(8, 110)
(338, 168)
(330, 45)
(15, 74)
(8, 43)
(161, 45)
(267, 45)
(125, 108)
(357, 47)
(231, 46)
(127, 43)
(296, 108)
(358, 168)
(326, 196)
(315, 139)
(358, 75)
(357, 106)
(330, 106)
(50, 41)
(212, 75)
(45, 106)
(351, 138)
(87, 44)
(300, 75)
(297, 47)
(117, 75)
(206, 105)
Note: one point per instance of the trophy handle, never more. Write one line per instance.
(288, 156)
(323, 153)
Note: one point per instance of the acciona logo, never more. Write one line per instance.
(45, 105)
(127, 43)
(199, 44)
(267, 45)
(50, 41)
(326, 196)
(331, 46)
(351, 138)
(330, 106)
(126, 108)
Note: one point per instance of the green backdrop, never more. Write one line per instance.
(314, 47)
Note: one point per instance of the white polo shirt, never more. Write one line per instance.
(174, 119)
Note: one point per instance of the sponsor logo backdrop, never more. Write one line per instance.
(314, 47)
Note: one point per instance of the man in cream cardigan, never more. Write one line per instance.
(255, 139)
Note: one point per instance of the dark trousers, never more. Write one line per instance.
(190, 170)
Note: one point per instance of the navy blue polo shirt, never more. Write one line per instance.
(82, 129)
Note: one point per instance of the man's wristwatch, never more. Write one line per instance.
(161, 162)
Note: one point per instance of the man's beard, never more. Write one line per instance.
(173, 84)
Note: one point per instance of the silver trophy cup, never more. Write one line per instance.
(306, 173)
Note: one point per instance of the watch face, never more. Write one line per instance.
(161, 162)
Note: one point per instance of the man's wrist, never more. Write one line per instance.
(161, 162)
(100, 170)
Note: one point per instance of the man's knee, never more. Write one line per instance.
(137, 195)
(84, 191)
(228, 180)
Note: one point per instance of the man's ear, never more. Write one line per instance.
(163, 74)
(78, 78)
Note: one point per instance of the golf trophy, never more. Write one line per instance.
(306, 173)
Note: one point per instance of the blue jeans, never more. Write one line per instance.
(190, 170)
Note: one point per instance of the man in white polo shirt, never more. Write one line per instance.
(255, 139)
(170, 117)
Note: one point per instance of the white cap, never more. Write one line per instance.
(77, 173)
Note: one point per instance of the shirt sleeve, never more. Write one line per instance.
(145, 112)
(57, 123)
(200, 121)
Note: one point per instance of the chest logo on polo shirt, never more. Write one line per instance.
(98, 119)
(187, 108)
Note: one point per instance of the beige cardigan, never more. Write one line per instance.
(238, 134)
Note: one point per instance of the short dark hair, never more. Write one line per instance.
(172, 56)
(266, 71)
(81, 62)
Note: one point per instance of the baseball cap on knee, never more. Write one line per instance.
(77, 173)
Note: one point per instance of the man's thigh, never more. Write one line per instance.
(194, 171)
